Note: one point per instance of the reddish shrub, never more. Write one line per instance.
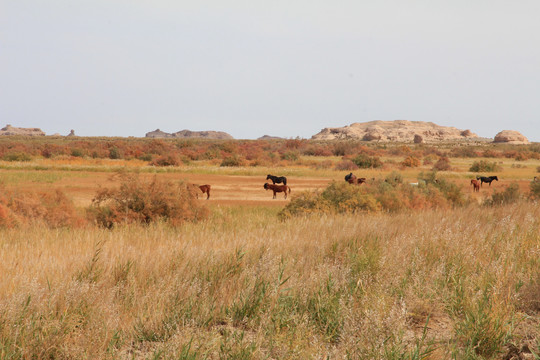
(345, 165)
(52, 208)
(167, 160)
(443, 164)
(411, 161)
(145, 202)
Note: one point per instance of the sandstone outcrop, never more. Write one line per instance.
(190, 134)
(268, 137)
(202, 134)
(396, 131)
(158, 134)
(14, 131)
(510, 137)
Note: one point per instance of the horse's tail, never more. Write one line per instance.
(289, 189)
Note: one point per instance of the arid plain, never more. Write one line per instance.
(412, 264)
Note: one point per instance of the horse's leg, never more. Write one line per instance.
(207, 194)
(274, 194)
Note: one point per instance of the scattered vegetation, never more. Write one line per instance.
(384, 270)
(388, 195)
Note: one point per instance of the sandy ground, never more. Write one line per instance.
(226, 189)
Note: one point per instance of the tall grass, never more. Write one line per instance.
(456, 283)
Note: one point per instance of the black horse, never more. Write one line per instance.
(488, 179)
(277, 179)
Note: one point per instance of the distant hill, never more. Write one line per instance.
(268, 137)
(13, 131)
(189, 134)
(397, 130)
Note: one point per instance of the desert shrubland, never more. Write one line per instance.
(458, 283)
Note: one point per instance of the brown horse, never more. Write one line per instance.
(277, 188)
(352, 179)
(476, 185)
(204, 188)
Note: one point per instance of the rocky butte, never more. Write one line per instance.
(14, 131)
(395, 131)
(510, 137)
(190, 134)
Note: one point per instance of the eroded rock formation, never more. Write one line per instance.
(397, 130)
(11, 130)
(510, 137)
(189, 134)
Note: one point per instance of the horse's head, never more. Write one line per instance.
(495, 178)
(266, 185)
(268, 177)
(478, 177)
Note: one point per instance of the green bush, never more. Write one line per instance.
(336, 198)
(290, 156)
(484, 166)
(510, 195)
(114, 153)
(77, 153)
(234, 160)
(16, 156)
(535, 189)
(364, 161)
(388, 195)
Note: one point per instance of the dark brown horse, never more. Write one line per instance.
(488, 179)
(476, 185)
(277, 179)
(277, 188)
(352, 179)
(204, 188)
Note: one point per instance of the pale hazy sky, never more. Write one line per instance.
(283, 68)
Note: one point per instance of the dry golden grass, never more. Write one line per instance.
(244, 285)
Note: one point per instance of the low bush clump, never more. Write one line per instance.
(140, 201)
(535, 189)
(509, 195)
(364, 161)
(53, 209)
(345, 165)
(443, 164)
(483, 165)
(390, 194)
(16, 156)
(411, 161)
(234, 160)
(167, 160)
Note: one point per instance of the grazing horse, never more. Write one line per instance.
(277, 188)
(352, 179)
(277, 179)
(488, 179)
(476, 185)
(204, 188)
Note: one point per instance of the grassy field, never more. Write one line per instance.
(460, 282)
